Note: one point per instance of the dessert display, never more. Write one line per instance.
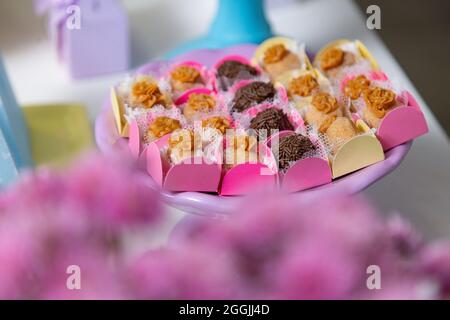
(273, 122)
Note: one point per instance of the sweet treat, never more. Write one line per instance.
(146, 93)
(322, 107)
(338, 130)
(292, 148)
(181, 145)
(219, 123)
(278, 55)
(355, 87)
(185, 77)
(303, 85)
(188, 112)
(342, 54)
(198, 103)
(278, 59)
(378, 102)
(252, 94)
(187, 143)
(241, 148)
(271, 119)
(162, 126)
(231, 71)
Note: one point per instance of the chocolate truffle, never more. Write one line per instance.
(271, 119)
(253, 93)
(292, 148)
(230, 71)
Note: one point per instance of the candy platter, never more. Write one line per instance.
(340, 178)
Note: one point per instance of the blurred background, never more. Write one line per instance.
(417, 32)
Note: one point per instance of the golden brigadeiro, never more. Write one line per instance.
(279, 54)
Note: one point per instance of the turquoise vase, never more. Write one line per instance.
(14, 146)
(236, 22)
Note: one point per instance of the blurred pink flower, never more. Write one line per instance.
(277, 249)
(434, 260)
(99, 276)
(190, 273)
(52, 219)
(269, 248)
(112, 191)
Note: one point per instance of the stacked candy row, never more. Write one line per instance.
(275, 121)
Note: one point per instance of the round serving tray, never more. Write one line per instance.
(108, 140)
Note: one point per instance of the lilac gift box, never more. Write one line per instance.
(91, 36)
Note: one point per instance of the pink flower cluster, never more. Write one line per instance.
(51, 220)
(271, 248)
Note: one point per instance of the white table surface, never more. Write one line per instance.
(419, 189)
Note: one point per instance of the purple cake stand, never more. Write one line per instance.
(108, 140)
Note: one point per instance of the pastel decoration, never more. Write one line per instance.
(154, 164)
(247, 178)
(196, 174)
(119, 112)
(402, 124)
(305, 173)
(134, 140)
(91, 36)
(357, 153)
(236, 22)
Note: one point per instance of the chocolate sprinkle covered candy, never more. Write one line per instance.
(292, 148)
(236, 70)
(271, 119)
(253, 93)
(231, 71)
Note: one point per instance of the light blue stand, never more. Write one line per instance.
(14, 146)
(236, 22)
